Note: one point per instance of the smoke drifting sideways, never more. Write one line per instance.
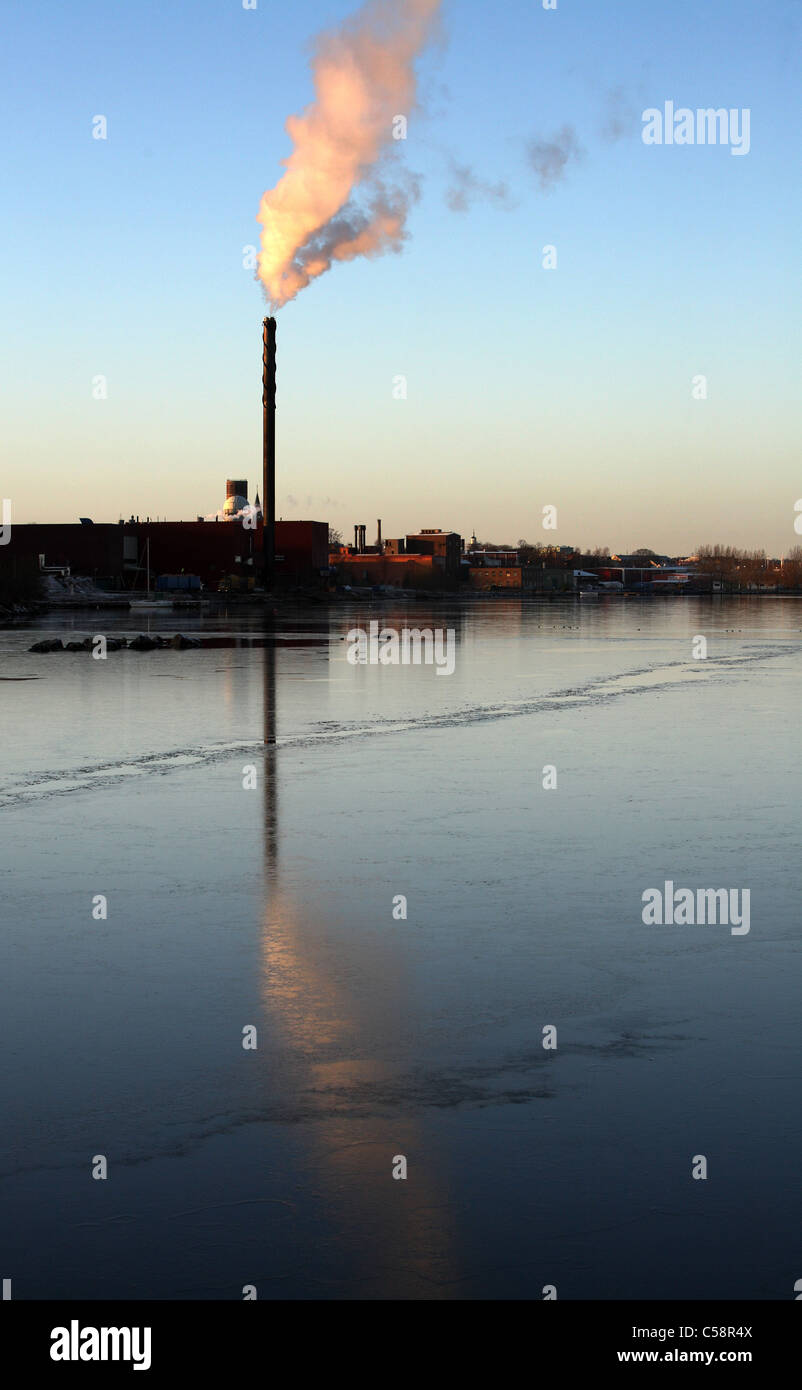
(466, 188)
(550, 158)
(332, 203)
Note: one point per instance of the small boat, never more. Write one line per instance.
(588, 593)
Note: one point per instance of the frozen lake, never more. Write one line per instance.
(271, 907)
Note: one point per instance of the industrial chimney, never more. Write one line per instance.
(379, 536)
(269, 449)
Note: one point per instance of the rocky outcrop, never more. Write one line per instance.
(50, 644)
(144, 642)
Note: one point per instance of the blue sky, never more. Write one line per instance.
(526, 387)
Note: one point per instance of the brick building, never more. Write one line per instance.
(494, 576)
(444, 546)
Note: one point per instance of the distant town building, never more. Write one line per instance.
(424, 559)
(444, 546)
(495, 576)
(526, 578)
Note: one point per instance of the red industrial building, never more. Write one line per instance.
(426, 559)
(118, 557)
(397, 571)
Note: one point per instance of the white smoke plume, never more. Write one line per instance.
(364, 77)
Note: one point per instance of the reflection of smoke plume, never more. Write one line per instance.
(549, 158)
(364, 77)
(466, 187)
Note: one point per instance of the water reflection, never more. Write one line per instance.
(348, 1063)
(269, 778)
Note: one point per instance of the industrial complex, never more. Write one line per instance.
(242, 549)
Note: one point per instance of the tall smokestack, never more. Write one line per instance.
(379, 535)
(356, 536)
(269, 449)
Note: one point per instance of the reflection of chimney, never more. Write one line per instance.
(379, 535)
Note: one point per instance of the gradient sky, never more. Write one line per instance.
(526, 387)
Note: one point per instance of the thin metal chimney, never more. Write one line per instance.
(356, 538)
(379, 535)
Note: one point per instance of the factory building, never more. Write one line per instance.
(218, 550)
(495, 576)
(395, 571)
(444, 546)
(424, 559)
(528, 579)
